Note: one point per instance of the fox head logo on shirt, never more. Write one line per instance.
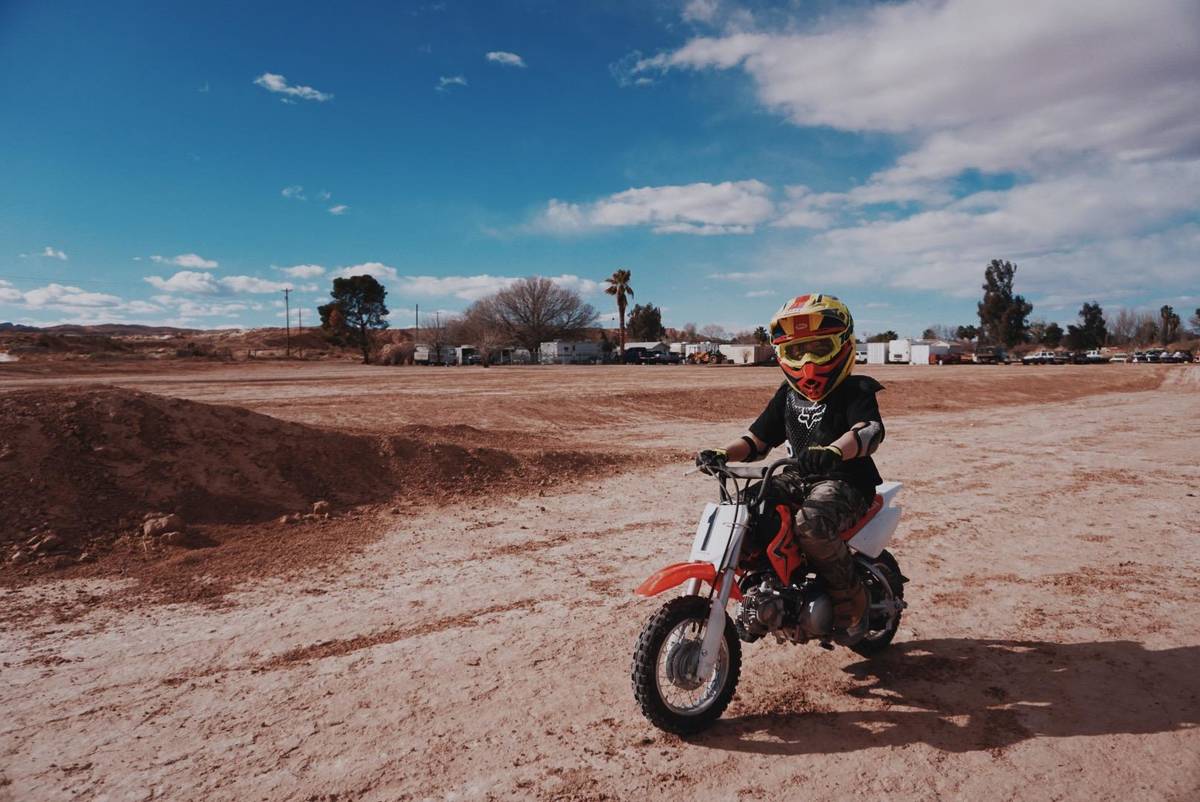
(810, 416)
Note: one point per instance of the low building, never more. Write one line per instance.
(740, 354)
(570, 352)
(916, 352)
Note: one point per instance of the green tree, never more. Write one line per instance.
(966, 332)
(645, 323)
(1052, 335)
(929, 334)
(883, 337)
(1092, 332)
(762, 338)
(618, 286)
(1168, 325)
(359, 301)
(1003, 316)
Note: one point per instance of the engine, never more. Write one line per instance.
(797, 613)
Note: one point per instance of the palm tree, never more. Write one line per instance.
(618, 285)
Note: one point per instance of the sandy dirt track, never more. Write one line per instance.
(482, 650)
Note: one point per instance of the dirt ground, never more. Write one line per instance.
(478, 646)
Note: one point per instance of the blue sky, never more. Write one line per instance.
(181, 163)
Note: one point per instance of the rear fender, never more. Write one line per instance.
(675, 575)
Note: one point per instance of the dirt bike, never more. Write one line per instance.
(689, 656)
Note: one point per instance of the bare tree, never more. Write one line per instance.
(534, 310)
(479, 328)
(1146, 330)
(1123, 327)
(714, 332)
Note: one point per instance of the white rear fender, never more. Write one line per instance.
(873, 538)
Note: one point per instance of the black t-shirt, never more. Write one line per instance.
(792, 417)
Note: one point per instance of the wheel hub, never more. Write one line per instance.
(682, 663)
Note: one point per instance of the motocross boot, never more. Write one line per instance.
(849, 613)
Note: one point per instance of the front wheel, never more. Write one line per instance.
(665, 684)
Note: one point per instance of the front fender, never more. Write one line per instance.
(677, 574)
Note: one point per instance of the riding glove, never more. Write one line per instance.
(711, 458)
(819, 460)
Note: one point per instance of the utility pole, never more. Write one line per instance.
(287, 319)
(300, 327)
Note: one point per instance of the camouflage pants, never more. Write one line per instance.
(824, 509)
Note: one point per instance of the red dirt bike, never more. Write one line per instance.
(689, 656)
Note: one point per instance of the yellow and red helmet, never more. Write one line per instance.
(813, 337)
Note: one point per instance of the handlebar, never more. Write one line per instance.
(748, 472)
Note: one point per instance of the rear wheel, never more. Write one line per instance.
(885, 593)
(665, 683)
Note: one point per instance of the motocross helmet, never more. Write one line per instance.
(813, 337)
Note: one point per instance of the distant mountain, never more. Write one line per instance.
(107, 329)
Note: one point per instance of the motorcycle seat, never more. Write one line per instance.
(875, 507)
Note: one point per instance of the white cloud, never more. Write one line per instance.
(472, 288)
(377, 269)
(54, 253)
(59, 295)
(339, 209)
(445, 82)
(278, 84)
(253, 284)
(701, 11)
(8, 293)
(979, 86)
(293, 192)
(465, 288)
(187, 281)
(505, 58)
(192, 261)
(731, 207)
(302, 271)
(190, 282)
(324, 195)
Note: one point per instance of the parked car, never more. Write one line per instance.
(660, 358)
(636, 356)
(989, 355)
(1140, 357)
(1119, 356)
(1039, 358)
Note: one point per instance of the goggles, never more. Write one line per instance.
(815, 350)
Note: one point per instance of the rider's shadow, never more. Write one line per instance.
(963, 695)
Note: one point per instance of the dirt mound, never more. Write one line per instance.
(89, 463)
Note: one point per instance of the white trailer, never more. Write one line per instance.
(877, 353)
(899, 351)
(927, 353)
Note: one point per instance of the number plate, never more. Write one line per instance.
(714, 532)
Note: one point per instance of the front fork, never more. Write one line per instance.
(710, 646)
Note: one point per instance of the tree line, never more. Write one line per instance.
(1004, 320)
(524, 314)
